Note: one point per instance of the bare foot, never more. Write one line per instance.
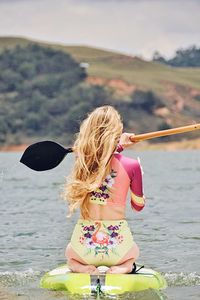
(119, 270)
(77, 267)
(92, 270)
(124, 268)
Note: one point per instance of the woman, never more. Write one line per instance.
(98, 185)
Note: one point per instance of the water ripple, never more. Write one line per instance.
(182, 279)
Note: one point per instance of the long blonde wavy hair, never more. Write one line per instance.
(97, 140)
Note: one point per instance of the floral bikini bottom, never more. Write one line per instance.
(102, 242)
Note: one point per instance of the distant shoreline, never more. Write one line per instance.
(171, 146)
(13, 148)
(167, 146)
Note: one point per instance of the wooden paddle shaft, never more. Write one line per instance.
(152, 135)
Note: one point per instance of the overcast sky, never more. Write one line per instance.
(136, 27)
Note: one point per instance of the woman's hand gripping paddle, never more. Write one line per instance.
(47, 155)
(44, 155)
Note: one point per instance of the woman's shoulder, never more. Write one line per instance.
(124, 159)
(131, 165)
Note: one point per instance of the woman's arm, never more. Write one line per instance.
(136, 186)
(134, 170)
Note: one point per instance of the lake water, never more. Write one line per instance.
(35, 230)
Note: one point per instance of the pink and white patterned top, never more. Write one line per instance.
(125, 173)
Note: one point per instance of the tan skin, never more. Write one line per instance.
(99, 212)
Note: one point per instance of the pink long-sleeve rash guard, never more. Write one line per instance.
(125, 173)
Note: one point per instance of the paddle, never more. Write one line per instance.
(152, 135)
(44, 155)
(47, 155)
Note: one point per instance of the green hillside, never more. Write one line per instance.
(144, 74)
(45, 93)
(108, 64)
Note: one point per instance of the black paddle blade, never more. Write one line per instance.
(44, 155)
